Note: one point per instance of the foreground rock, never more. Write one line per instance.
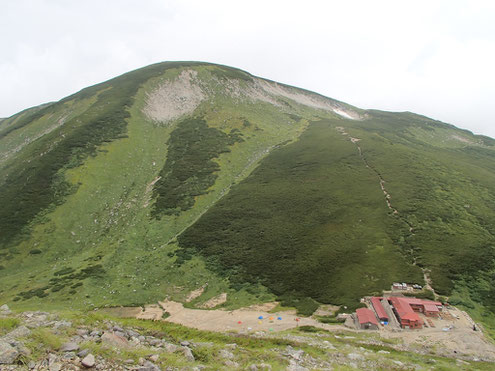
(69, 347)
(88, 361)
(114, 340)
(8, 353)
(5, 310)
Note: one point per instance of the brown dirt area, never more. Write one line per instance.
(460, 341)
(215, 301)
(223, 320)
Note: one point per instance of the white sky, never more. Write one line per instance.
(435, 58)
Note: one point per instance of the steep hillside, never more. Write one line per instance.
(181, 176)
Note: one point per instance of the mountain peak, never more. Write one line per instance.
(183, 175)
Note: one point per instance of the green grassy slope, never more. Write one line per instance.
(100, 244)
(257, 198)
(311, 220)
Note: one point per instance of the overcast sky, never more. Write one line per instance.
(431, 57)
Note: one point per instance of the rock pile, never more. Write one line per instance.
(75, 354)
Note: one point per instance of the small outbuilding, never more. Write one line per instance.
(366, 319)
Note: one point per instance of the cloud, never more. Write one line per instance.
(434, 58)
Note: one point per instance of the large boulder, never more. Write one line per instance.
(88, 361)
(114, 340)
(8, 353)
(149, 366)
(188, 354)
(5, 310)
(225, 354)
(170, 348)
(69, 347)
(19, 332)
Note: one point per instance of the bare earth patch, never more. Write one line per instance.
(462, 139)
(215, 302)
(195, 294)
(153, 312)
(307, 99)
(241, 320)
(326, 310)
(271, 92)
(452, 336)
(149, 188)
(174, 98)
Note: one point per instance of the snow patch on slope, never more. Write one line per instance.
(343, 113)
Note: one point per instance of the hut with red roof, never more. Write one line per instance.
(379, 310)
(407, 317)
(427, 307)
(366, 319)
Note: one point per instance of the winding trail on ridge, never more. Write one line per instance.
(388, 201)
(388, 198)
(395, 212)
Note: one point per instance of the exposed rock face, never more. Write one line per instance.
(175, 98)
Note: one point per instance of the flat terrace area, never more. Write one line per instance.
(449, 334)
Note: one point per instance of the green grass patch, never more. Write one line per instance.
(8, 324)
(189, 170)
(47, 338)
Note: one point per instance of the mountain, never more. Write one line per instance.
(185, 175)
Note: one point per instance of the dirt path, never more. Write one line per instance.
(380, 178)
(426, 276)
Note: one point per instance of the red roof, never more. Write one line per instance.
(404, 310)
(417, 301)
(431, 307)
(413, 301)
(377, 305)
(437, 303)
(366, 316)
